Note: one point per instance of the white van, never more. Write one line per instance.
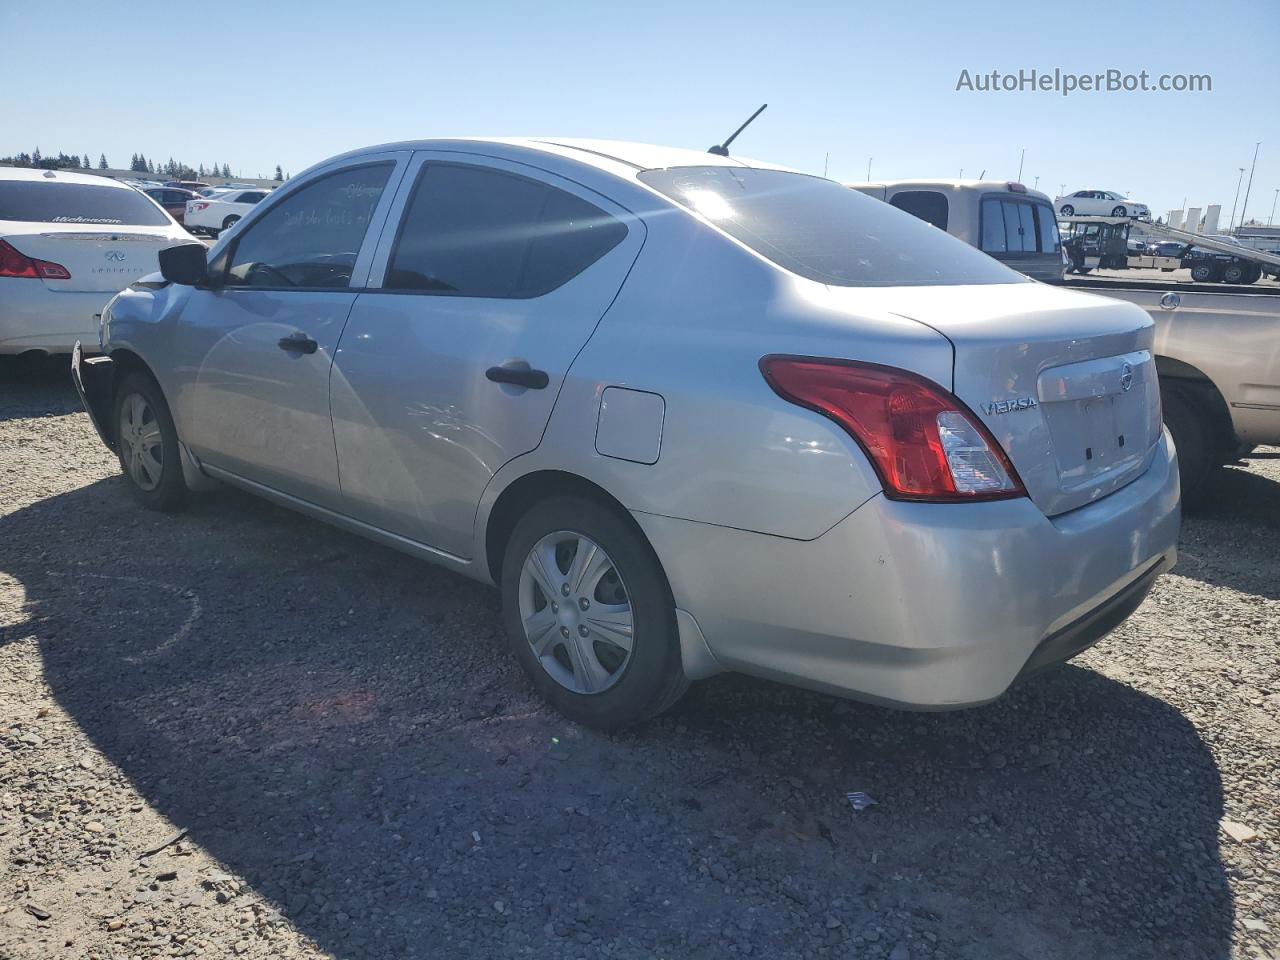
(999, 217)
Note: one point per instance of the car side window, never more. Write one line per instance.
(312, 237)
(251, 197)
(1050, 242)
(476, 232)
(929, 205)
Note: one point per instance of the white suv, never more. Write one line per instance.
(214, 214)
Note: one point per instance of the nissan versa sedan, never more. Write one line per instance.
(688, 413)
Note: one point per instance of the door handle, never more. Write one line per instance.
(519, 376)
(297, 343)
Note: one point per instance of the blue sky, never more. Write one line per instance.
(256, 84)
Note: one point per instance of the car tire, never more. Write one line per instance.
(576, 667)
(1204, 273)
(1067, 210)
(230, 222)
(1118, 211)
(1234, 273)
(1192, 436)
(147, 444)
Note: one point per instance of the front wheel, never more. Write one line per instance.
(589, 614)
(147, 444)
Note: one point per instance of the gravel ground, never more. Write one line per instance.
(237, 732)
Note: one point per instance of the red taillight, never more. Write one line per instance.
(16, 264)
(196, 206)
(922, 441)
(1015, 187)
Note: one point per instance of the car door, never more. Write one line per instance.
(480, 298)
(258, 340)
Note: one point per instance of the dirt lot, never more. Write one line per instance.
(237, 732)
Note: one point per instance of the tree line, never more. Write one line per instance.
(138, 163)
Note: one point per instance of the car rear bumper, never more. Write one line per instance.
(33, 317)
(928, 606)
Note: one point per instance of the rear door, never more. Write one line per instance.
(495, 276)
(258, 342)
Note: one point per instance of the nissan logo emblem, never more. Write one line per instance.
(1126, 377)
(116, 255)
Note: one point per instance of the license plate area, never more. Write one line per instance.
(1099, 416)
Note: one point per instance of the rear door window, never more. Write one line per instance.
(312, 237)
(475, 232)
(993, 234)
(1050, 242)
(48, 201)
(929, 205)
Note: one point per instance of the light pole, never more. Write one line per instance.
(1275, 197)
(1022, 156)
(1036, 185)
(1245, 206)
(869, 168)
(1231, 223)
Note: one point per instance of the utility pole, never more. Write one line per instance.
(1021, 157)
(962, 173)
(1036, 185)
(869, 168)
(1232, 221)
(1274, 198)
(1245, 206)
(825, 157)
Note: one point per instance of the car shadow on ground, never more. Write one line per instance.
(1232, 540)
(340, 727)
(37, 387)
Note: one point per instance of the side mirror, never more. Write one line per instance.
(187, 263)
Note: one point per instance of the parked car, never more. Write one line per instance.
(220, 211)
(1100, 203)
(689, 413)
(192, 185)
(1166, 248)
(68, 241)
(1002, 218)
(172, 199)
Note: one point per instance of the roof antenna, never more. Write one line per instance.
(722, 149)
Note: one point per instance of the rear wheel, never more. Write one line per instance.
(1192, 433)
(1235, 273)
(589, 614)
(1254, 274)
(147, 444)
(1067, 210)
(230, 222)
(1119, 212)
(1204, 273)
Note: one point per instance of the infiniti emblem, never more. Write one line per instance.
(1126, 377)
(116, 255)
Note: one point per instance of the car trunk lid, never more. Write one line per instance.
(1064, 381)
(98, 260)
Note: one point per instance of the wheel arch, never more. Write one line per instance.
(531, 488)
(1178, 373)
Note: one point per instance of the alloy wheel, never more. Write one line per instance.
(142, 447)
(576, 612)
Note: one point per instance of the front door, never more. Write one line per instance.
(450, 363)
(259, 340)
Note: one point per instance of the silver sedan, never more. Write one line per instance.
(688, 413)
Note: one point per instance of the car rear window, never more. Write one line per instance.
(823, 231)
(52, 202)
(1011, 225)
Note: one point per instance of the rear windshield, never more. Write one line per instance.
(826, 232)
(52, 202)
